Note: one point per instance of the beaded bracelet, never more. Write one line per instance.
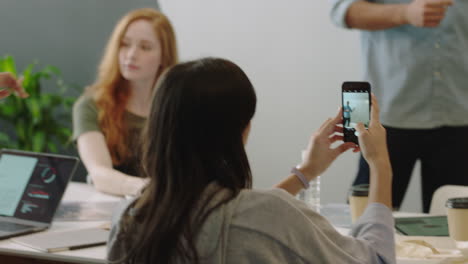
(301, 177)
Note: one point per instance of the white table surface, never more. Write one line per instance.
(86, 193)
(443, 244)
(75, 192)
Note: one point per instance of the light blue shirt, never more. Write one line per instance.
(347, 111)
(419, 75)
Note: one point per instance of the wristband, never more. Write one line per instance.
(301, 177)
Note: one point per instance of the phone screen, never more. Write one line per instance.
(356, 102)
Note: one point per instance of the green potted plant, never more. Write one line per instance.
(41, 122)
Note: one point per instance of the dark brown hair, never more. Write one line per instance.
(194, 137)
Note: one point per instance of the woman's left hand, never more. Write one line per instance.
(319, 155)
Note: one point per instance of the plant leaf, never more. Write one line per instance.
(38, 141)
(34, 106)
(4, 137)
(21, 129)
(52, 147)
(9, 65)
(42, 121)
(27, 76)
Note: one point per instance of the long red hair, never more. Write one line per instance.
(110, 92)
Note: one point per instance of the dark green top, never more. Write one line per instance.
(85, 119)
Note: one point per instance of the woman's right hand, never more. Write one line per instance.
(373, 141)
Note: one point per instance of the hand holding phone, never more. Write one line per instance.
(356, 104)
(373, 140)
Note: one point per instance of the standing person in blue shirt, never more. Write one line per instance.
(347, 110)
(414, 53)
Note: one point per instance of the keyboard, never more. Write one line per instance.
(9, 227)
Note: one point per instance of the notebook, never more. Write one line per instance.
(31, 187)
(86, 211)
(422, 226)
(64, 240)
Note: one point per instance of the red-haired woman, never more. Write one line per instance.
(108, 117)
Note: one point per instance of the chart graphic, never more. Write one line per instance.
(28, 208)
(39, 194)
(48, 175)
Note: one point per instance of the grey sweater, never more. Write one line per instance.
(272, 226)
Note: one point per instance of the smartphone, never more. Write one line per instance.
(356, 102)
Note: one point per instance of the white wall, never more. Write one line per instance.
(296, 60)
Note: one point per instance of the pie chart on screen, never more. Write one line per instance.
(48, 175)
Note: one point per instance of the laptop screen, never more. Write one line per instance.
(32, 184)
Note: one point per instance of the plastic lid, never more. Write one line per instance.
(360, 190)
(457, 203)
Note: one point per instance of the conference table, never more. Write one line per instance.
(13, 253)
(339, 216)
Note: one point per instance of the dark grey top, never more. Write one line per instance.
(85, 119)
(272, 226)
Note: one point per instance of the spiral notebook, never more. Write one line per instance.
(86, 211)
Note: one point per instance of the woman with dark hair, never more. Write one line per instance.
(199, 206)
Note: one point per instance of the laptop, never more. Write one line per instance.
(31, 188)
